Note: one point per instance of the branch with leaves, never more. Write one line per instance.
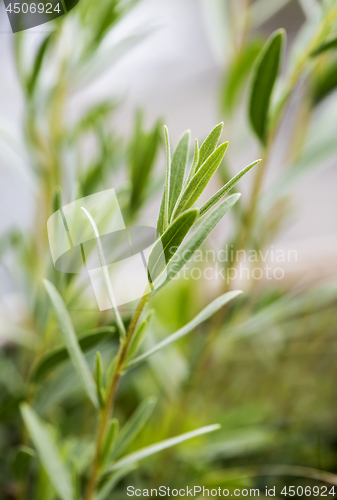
(183, 228)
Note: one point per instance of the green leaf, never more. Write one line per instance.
(155, 448)
(22, 461)
(139, 336)
(203, 229)
(199, 181)
(266, 70)
(225, 189)
(142, 154)
(194, 162)
(325, 46)
(325, 83)
(209, 144)
(31, 84)
(205, 314)
(70, 340)
(76, 482)
(57, 199)
(106, 276)
(160, 221)
(238, 73)
(113, 480)
(168, 178)
(48, 454)
(168, 243)
(178, 167)
(53, 358)
(134, 425)
(99, 379)
(110, 439)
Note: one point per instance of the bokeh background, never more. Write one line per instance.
(265, 369)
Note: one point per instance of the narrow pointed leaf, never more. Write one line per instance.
(225, 189)
(205, 314)
(110, 439)
(38, 63)
(169, 242)
(107, 488)
(138, 336)
(107, 282)
(76, 482)
(209, 144)
(237, 74)
(178, 167)
(57, 356)
(99, 379)
(157, 447)
(199, 181)
(134, 425)
(168, 178)
(325, 46)
(194, 162)
(326, 82)
(160, 221)
(48, 454)
(266, 71)
(187, 249)
(22, 461)
(70, 340)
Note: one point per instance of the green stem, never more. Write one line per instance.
(274, 126)
(111, 394)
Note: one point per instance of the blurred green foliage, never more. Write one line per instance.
(263, 366)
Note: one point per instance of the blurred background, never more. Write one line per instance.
(82, 104)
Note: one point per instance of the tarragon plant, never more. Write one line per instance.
(182, 229)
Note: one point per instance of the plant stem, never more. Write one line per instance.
(274, 125)
(111, 394)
